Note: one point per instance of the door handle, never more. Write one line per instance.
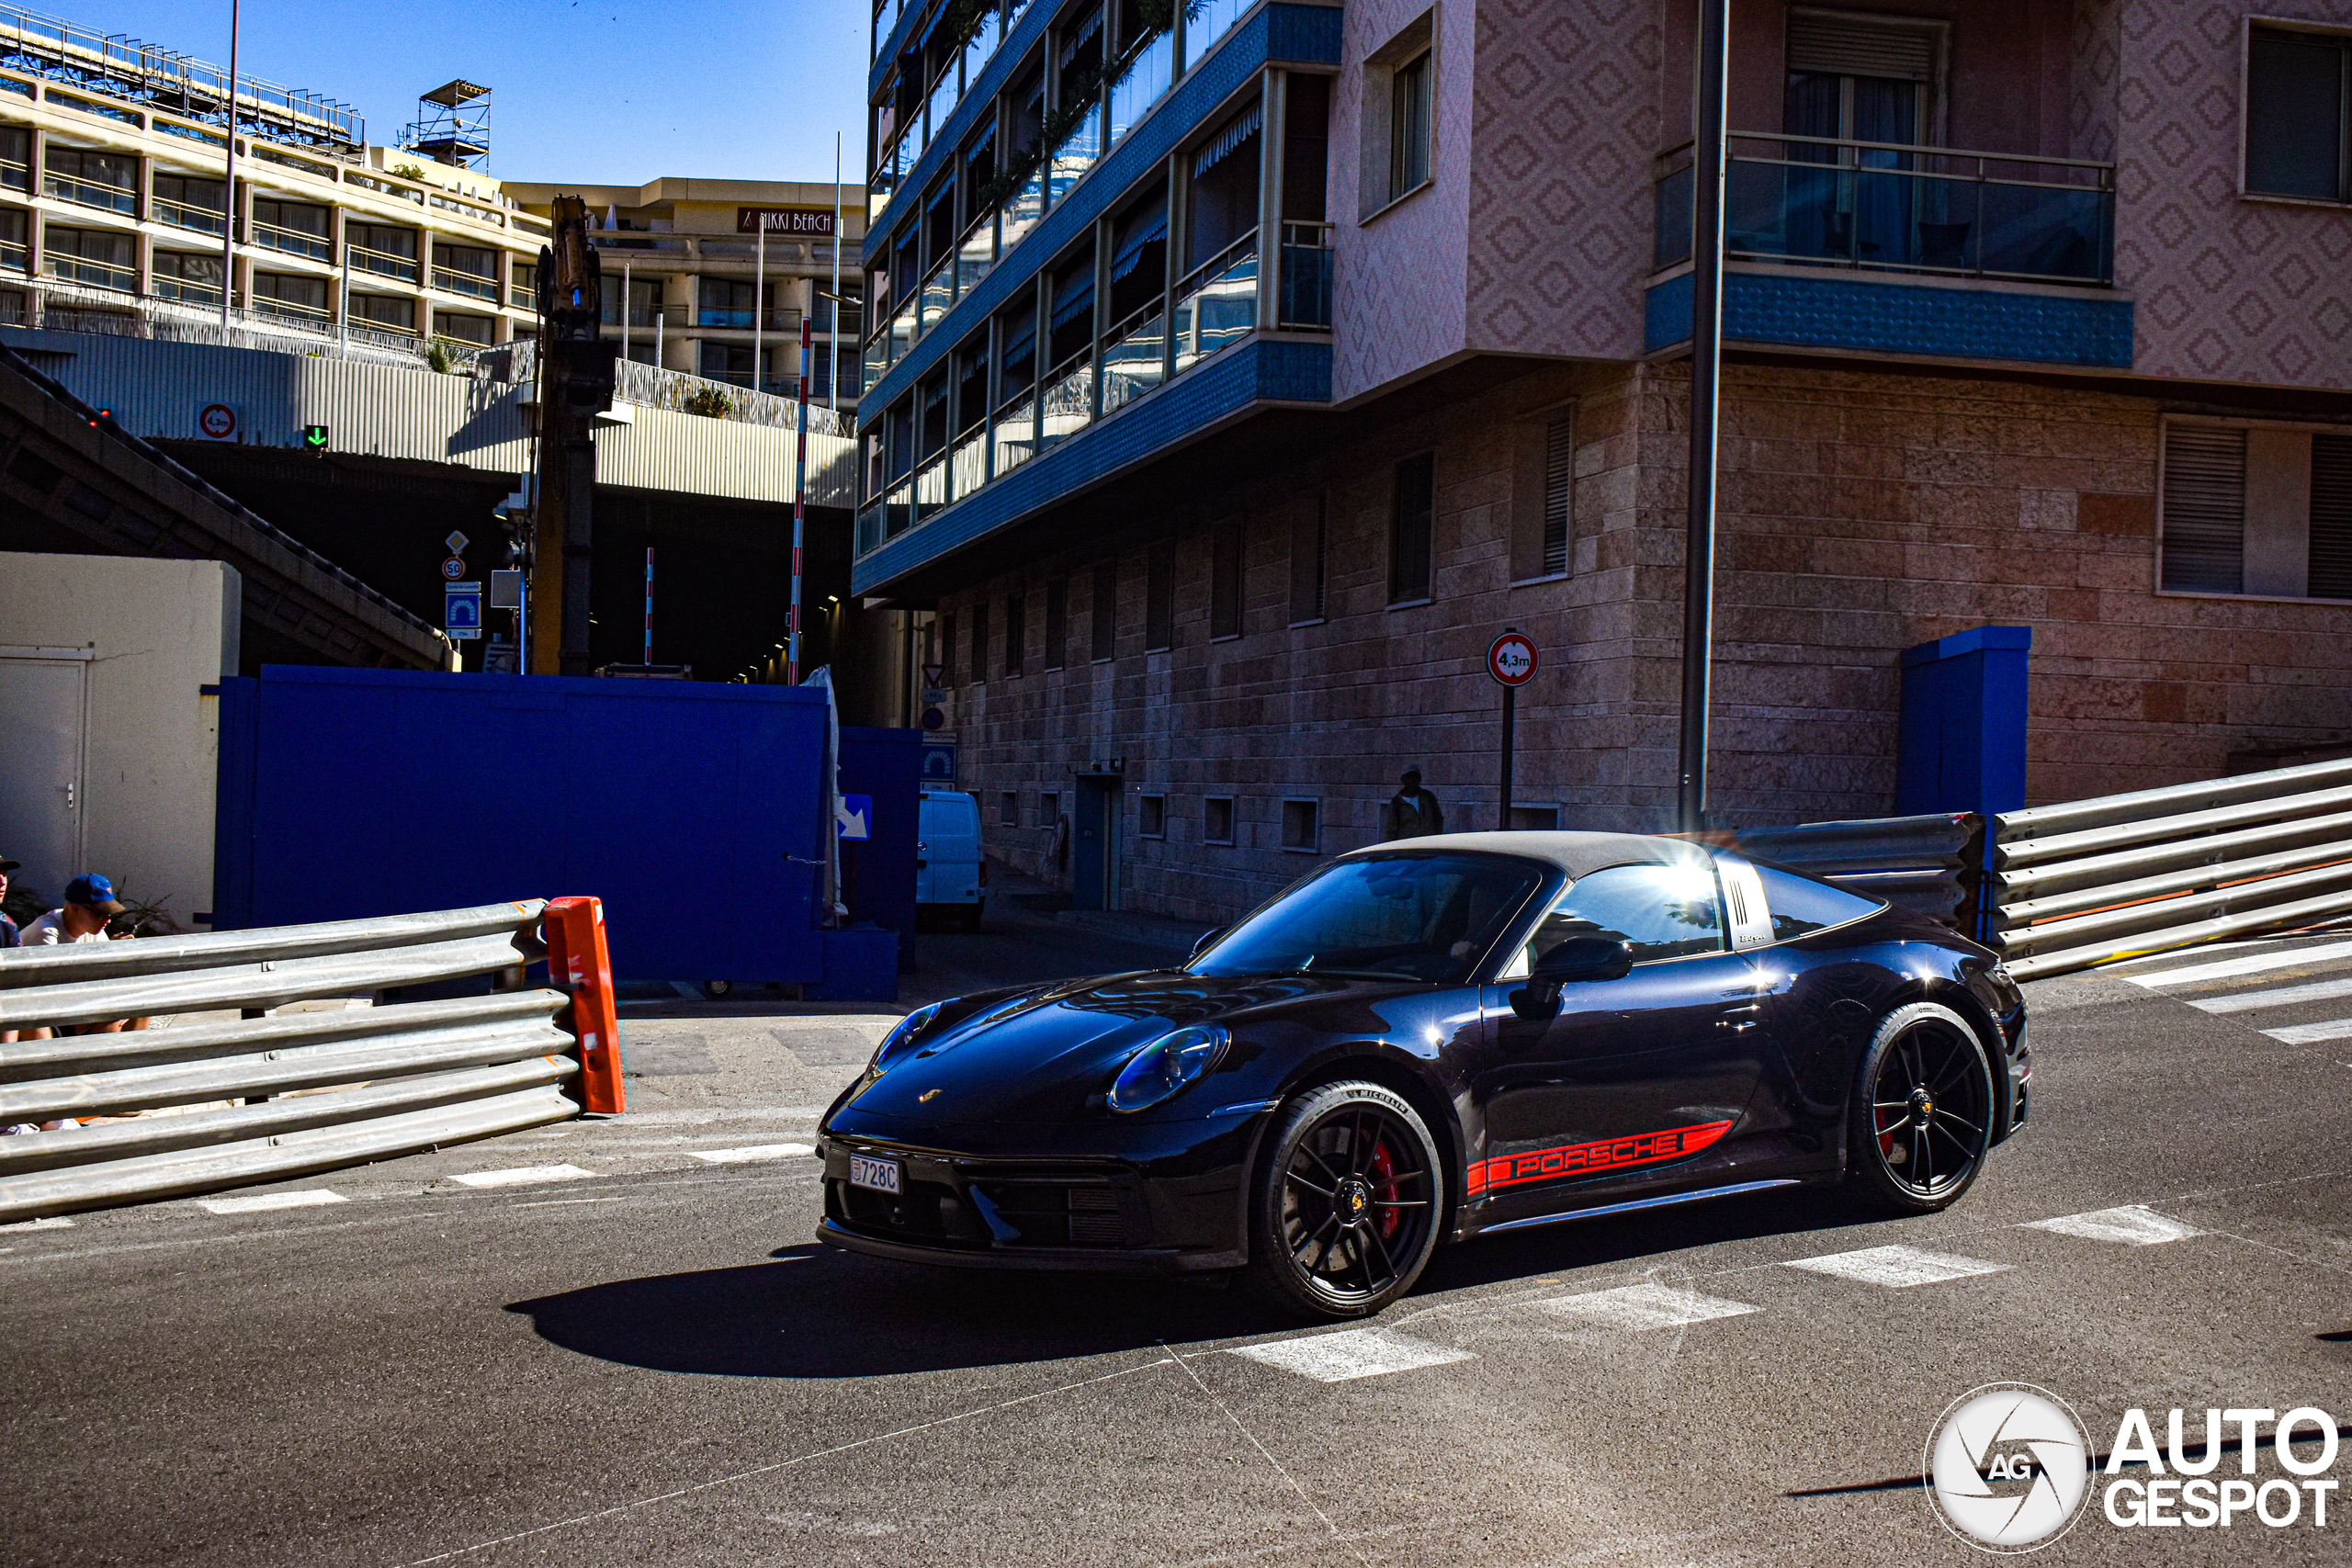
(1741, 1019)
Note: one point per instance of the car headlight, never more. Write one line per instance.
(901, 1036)
(1165, 1066)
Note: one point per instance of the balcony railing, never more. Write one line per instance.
(180, 215)
(931, 487)
(1016, 434)
(938, 293)
(293, 242)
(94, 273)
(1304, 304)
(869, 526)
(182, 290)
(1217, 304)
(898, 508)
(1067, 405)
(1135, 358)
(15, 174)
(456, 281)
(89, 193)
(294, 311)
(975, 255)
(15, 256)
(1140, 83)
(1890, 205)
(383, 264)
(968, 462)
(1076, 154)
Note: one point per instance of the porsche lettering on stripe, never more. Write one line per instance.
(1590, 1159)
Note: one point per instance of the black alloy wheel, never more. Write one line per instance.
(1923, 1111)
(1347, 1204)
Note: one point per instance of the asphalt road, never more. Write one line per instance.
(651, 1362)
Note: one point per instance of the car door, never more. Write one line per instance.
(1630, 1076)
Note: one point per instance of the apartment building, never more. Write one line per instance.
(1237, 372)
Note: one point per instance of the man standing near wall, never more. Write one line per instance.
(9, 935)
(1412, 811)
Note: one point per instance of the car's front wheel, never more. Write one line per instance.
(1345, 1207)
(1922, 1113)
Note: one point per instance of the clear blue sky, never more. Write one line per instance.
(593, 91)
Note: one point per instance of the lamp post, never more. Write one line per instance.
(1706, 366)
(228, 217)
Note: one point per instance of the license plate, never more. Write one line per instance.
(880, 1175)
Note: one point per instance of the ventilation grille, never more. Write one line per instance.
(2331, 518)
(1559, 461)
(2204, 504)
(1838, 45)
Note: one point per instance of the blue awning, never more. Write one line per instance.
(1244, 126)
(1074, 299)
(1077, 41)
(1017, 342)
(1141, 233)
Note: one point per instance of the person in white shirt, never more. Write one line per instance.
(89, 904)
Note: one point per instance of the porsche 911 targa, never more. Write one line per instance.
(1431, 1039)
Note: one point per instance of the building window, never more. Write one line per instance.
(1542, 466)
(947, 649)
(388, 311)
(1535, 819)
(981, 641)
(297, 228)
(1408, 126)
(1049, 809)
(2298, 109)
(90, 257)
(1159, 601)
(1056, 622)
(1216, 819)
(1225, 580)
(1411, 525)
(187, 203)
(1302, 826)
(382, 249)
(722, 302)
(191, 276)
(1017, 631)
(1400, 76)
(1151, 816)
(1007, 808)
(1309, 559)
(284, 297)
(461, 328)
(1104, 641)
(466, 269)
(2256, 509)
(109, 181)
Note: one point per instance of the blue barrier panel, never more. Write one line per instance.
(1961, 746)
(691, 808)
(878, 873)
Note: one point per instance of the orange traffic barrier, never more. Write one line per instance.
(578, 963)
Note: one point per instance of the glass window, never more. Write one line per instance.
(1411, 529)
(206, 196)
(1408, 126)
(384, 310)
(1666, 911)
(2296, 87)
(464, 329)
(297, 217)
(1802, 904)
(1420, 917)
(384, 238)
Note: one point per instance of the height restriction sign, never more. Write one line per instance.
(1511, 659)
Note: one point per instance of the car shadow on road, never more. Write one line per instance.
(815, 1312)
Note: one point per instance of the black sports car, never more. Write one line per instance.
(1428, 1041)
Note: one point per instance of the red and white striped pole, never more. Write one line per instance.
(800, 513)
(648, 603)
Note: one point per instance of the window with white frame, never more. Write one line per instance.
(1399, 132)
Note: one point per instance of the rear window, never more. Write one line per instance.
(1801, 905)
(950, 819)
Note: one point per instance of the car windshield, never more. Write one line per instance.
(1426, 916)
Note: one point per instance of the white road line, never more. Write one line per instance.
(521, 1175)
(54, 1223)
(2308, 1033)
(1350, 1353)
(2197, 972)
(2135, 1224)
(315, 1197)
(757, 1151)
(1898, 1267)
(1646, 1306)
(2283, 995)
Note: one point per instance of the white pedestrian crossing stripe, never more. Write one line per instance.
(758, 1151)
(315, 1197)
(1898, 1267)
(2311, 1033)
(2135, 1224)
(1646, 1306)
(2196, 974)
(2280, 996)
(521, 1175)
(1350, 1353)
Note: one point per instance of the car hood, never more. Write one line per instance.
(1050, 1054)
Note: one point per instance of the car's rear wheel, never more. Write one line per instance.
(1922, 1114)
(1346, 1203)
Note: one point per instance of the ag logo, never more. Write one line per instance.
(2007, 1465)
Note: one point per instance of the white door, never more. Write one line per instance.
(43, 709)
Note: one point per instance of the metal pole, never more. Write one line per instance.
(648, 603)
(1510, 738)
(345, 333)
(626, 299)
(758, 296)
(657, 336)
(1706, 365)
(799, 510)
(229, 218)
(833, 348)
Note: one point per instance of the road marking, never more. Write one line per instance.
(1350, 1353)
(54, 1223)
(2283, 995)
(315, 1197)
(2135, 1224)
(757, 1151)
(2255, 964)
(521, 1175)
(567, 1202)
(2308, 1033)
(1898, 1267)
(1646, 1306)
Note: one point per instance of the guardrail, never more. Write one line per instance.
(1920, 863)
(2122, 875)
(309, 1091)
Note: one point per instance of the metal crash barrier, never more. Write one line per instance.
(1921, 864)
(2122, 875)
(306, 1091)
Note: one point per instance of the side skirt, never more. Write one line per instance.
(1662, 1200)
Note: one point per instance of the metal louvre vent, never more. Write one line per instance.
(1837, 43)
(2204, 502)
(1559, 463)
(2331, 565)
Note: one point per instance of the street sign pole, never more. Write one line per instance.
(1706, 366)
(1511, 661)
(1510, 738)
(799, 507)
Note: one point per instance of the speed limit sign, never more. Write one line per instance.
(1511, 659)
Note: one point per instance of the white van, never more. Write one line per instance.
(950, 874)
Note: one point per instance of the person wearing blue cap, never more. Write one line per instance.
(89, 905)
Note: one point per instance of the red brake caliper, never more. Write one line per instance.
(1384, 1178)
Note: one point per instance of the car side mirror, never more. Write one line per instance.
(1202, 946)
(1577, 961)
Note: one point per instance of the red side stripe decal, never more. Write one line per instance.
(1587, 1159)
